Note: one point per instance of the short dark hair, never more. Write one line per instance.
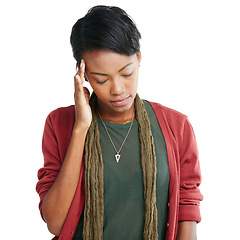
(105, 28)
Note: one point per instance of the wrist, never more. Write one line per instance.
(186, 230)
(80, 129)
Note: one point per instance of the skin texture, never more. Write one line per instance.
(187, 231)
(114, 79)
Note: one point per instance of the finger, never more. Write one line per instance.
(86, 94)
(77, 82)
(80, 94)
(82, 70)
(79, 77)
(78, 86)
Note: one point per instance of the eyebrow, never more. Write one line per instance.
(103, 74)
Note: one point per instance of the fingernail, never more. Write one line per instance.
(82, 62)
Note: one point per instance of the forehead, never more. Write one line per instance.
(106, 59)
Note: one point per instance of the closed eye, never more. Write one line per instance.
(129, 75)
(102, 82)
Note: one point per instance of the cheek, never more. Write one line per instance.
(101, 91)
(135, 83)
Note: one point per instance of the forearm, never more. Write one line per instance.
(58, 200)
(187, 230)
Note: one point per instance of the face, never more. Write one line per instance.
(114, 79)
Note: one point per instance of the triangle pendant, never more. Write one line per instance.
(117, 156)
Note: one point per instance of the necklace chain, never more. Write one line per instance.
(117, 156)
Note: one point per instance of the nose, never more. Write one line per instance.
(117, 87)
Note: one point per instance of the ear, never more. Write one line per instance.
(139, 56)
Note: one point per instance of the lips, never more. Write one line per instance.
(120, 102)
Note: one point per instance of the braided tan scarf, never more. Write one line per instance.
(94, 203)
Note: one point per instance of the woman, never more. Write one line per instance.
(116, 167)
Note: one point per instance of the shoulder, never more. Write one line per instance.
(168, 113)
(62, 114)
(61, 118)
(173, 121)
(176, 123)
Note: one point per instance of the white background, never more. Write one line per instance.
(190, 62)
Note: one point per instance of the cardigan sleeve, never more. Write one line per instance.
(52, 164)
(190, 176)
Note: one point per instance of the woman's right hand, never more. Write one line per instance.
(58, 200)
(83, 113)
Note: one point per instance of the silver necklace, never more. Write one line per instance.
(117, 155)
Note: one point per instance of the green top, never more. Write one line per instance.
(123, 182)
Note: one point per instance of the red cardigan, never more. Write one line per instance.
(185, 175)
